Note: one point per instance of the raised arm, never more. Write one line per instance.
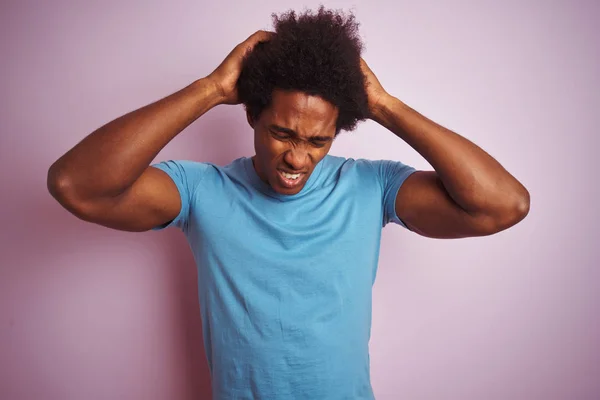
(469, 193)
(106, 178)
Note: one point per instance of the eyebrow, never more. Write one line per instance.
(294, 133)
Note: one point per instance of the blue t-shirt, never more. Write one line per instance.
(285, 281)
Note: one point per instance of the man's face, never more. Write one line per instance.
(291, 137)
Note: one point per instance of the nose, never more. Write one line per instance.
(297, 158)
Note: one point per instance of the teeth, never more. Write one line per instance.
(290, 176)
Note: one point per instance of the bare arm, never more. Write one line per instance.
(106, 177)
(100, 172)
(468, 194)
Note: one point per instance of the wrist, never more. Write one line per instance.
(381, 111)
(209, 90)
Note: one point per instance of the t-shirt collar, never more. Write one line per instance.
(268, 190)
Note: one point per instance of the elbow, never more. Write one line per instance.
(62, 189)
(55, 182)
(59, 185)
(68, 193)
(522, 207)
(513, 212)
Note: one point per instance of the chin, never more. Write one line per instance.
(284, 190)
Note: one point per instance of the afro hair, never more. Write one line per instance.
(315, 53)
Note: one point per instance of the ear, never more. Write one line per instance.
(250, 119)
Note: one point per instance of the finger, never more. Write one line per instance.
(260, 36)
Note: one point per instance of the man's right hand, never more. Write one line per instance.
(225, 76)
(106, 178)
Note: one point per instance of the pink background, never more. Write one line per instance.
(92, 313)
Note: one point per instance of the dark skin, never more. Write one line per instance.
(293, 135)
(106, 178)
(468, 194)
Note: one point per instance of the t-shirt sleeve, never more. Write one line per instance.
(391, 175)
(186, 175)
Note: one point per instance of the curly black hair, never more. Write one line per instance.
(318, 54)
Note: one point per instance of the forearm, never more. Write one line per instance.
(112, 158)
(474, 179)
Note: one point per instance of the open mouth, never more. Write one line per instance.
(289, 180)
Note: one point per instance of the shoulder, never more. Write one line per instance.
(345, 163)
(200, 166)
(387, 173)
(355, 170)
(194, 173)
(349, 165)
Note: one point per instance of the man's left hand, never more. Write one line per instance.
(376, 94)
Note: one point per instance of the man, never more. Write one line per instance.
(287, 241)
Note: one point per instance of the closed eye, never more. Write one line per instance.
(284, 136)
(280, 135)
